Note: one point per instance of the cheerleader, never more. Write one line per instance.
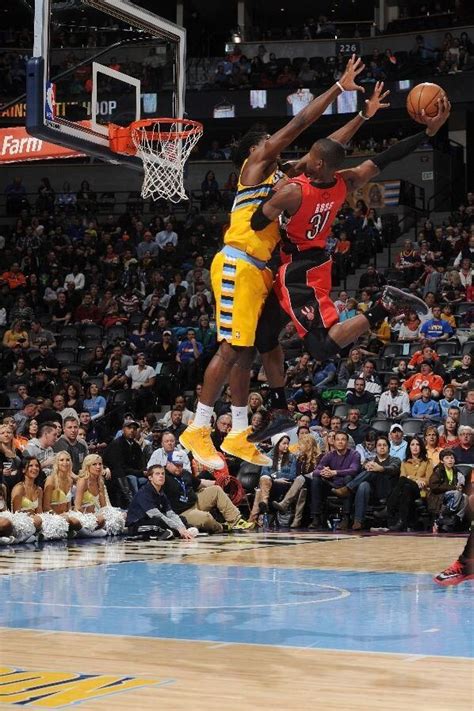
(27, 499)
(57, 497)
(6, 526)
(91, 497)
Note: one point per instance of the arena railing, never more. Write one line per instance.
(110, 202)
(401, 41)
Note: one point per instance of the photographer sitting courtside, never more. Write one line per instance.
(151, 507)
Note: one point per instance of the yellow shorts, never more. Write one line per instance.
(240, 290)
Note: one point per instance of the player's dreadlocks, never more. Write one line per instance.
(242, 150)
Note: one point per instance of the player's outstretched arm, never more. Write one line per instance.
(344, 134)
(360, 175)
(288, 199)
(280, 140)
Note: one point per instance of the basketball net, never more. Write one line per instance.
(164, 146)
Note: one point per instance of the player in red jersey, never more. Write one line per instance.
(302, 286)
(462, 569)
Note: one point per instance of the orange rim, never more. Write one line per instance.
(194, 127)
(121, 141)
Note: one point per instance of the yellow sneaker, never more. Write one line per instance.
(237, 445)
(242, 525)
(199, 441)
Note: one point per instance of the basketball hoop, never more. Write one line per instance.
(164, 145)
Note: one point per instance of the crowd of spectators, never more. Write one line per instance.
(108, 324)
(268, 70)
(264, 70)
(352, 22)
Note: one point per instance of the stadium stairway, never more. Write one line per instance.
(385, 259)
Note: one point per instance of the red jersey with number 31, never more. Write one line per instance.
(311, 224)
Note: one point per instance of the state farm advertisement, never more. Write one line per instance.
(16, 145)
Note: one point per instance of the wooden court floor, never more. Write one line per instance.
(62, 645)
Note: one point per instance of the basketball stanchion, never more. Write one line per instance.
(164, 145)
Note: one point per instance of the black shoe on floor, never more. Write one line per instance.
(381, 513)
(165, 536)
(398, 528)
(280, 422)
(263, 507)
(316, 523)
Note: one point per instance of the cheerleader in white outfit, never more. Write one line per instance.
(27, 499)
(91, 496)
(6, 526)
(57, 497)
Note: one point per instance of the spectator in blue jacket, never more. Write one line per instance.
(448, 400)
(324, 374)
(335, 470)
(275, 479)
(436, 329)
(189, 357)
(426, 408)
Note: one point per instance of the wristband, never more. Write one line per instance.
(338, 83)
(366, 118)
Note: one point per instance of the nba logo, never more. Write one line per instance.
(50, 102)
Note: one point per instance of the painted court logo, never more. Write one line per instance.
(42, 689)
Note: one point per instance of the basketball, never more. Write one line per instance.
(424, 96)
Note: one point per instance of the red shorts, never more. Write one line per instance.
(303, 290)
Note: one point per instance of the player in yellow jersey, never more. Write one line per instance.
(241, 281)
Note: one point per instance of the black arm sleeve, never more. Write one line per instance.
(399, 150)
(259, 220)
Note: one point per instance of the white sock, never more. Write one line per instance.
(240, 419)
(203, 416)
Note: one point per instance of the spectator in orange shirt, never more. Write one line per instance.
(447, 315)
(14, 278)
(343, 246)
(425, 353)
(425, 377)
(342, 256)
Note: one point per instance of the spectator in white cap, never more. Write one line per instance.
(398, 445)
(164, 454)
(275, 479)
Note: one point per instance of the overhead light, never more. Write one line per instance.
(236, 36)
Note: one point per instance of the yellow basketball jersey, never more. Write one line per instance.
(240, 234)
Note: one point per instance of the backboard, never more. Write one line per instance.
(98, 62)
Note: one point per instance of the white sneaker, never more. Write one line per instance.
(7, 540)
